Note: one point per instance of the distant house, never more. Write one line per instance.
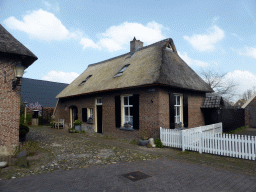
(250, 112)
(147, 88)
(239, 103)
(13, 55)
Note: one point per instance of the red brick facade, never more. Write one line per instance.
(9, 107)
(153, 110)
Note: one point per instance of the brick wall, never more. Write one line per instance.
(195, 115)
(250, 110)
(153, 106)
(9, 107)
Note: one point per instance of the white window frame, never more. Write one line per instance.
(176, 106)
(90, 112)
(99, 101)
(123, 109)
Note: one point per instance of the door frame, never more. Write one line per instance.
(96, 114)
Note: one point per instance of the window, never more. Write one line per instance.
(99, 101)
(127, 111)
(120, 73)
(178, 109)
(91, 113)
(85, 80)
(169, 47)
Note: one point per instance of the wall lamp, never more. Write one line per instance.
(18, 71)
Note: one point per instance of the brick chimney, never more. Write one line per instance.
(135, 44)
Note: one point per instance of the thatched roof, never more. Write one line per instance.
(9, 46)
(151, 65)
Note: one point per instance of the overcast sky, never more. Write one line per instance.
(67, 36)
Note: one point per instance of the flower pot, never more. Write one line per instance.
(78, 127)
(143, 142)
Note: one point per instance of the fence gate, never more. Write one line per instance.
(46, 117)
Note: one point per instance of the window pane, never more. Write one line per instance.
(178, 111)
(126, 111)
(178, 100)
(131, 120)
(125, 100)
(126, 119)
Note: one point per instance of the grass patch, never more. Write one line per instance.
(108, 137)
(134, 142)
(31, 147)
(236, 130)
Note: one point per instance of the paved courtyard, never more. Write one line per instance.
(165, 175)
(80, 162)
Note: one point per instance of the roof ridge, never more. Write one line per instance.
(44, 80)
(167, 39)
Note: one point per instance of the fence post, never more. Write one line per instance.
(183, 132)
(200, 142)
(221, 127)
(161, 134)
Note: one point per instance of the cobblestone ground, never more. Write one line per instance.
(64, 152)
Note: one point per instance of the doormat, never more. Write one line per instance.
(135, 176)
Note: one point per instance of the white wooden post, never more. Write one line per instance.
(183, 132)
(200, 142)
(161, 134)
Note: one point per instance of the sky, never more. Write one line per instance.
(67, 36)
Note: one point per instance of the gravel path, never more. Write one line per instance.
(64, 151)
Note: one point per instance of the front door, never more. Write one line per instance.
(99, 118)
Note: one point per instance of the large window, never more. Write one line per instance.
(127, 110)
(178, 109)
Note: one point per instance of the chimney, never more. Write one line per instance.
(135, 44)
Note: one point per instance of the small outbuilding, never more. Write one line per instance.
(250, 112)
(14, 58)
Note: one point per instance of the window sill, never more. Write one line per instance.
(89, 122)
(126, 129)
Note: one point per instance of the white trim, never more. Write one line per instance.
(122, 108)
(249, 101)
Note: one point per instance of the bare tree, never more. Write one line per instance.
(221, 85)
(248, 93)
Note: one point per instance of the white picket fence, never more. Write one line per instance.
(212, 141)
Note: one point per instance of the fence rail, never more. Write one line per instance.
(211, 141)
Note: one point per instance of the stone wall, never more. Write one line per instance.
(9, 107)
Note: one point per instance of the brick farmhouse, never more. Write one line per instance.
(147, 88)
(12, 53)
(250, 112)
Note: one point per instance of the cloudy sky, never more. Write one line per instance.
(67, 35)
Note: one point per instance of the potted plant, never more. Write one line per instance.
(78, 124)
(90, 120)
(144, 137)
(127, 125)
(23, 130)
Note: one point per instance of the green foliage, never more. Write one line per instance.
(71, 130)
(77, 122)
(39, 120)
(76, 131)
(22, 107)
(28, 119)
(29, 146)
(83, 132)
(134, 142)
(236, 130)
(23, 129)
(158, 143)
(145, 134)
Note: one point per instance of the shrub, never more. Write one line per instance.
(28, 119)
(77, 122)
(76, 131)
(39, 120)
(23, 129)
(159, 143)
